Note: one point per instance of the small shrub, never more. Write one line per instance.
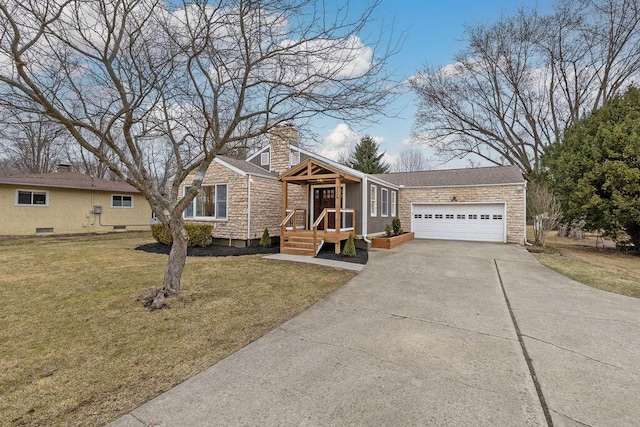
(397, 227)
(199, 234)
(350, 247)
(388, 230)
(265, 240)
(161, 234)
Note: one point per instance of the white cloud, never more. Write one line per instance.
(342, 140)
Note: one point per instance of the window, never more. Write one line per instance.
(449, 216)
(438, 216)
(295, 157)
(461, 216)
(428, 216)
(32, 198)
(374, 200)
(264, 159)
(417, 216)
(497, 217)
(210, 202)
(484, 216)
(384, 202)
(473, 216)
(394, 203)
(119, 201)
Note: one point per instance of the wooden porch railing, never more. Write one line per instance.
(324, 218)
(292, 218)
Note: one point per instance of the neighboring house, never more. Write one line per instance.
(68, 202)
(306, 200)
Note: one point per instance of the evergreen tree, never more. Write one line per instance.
(365, 157)
(595, 170)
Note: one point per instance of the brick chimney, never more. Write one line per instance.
(63, 168)
(280, 138)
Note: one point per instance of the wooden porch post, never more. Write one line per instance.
(338, 213)
(285, 206)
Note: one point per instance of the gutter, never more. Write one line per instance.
(365, 213)
(248, 208)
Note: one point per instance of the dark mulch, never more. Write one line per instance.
(327, 251)
(211, 250)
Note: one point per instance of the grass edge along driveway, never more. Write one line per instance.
(76, 348)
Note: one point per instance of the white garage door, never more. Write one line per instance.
(479, 222)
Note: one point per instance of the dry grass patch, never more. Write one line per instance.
(76, 348)
(602, 268)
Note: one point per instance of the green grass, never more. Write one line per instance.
(598, 267)
(77, 348)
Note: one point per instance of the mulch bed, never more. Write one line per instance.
(327, 252)
(211, 250)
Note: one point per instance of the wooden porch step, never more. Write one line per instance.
(298, 251)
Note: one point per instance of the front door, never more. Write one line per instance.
(324, 198)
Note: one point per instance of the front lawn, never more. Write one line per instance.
(602, 268)
(76, 348)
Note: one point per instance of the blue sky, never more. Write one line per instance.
(433, 34)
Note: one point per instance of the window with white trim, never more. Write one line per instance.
(384, 202)
(32, 198)
(121, 201)
(264, 159)
(394, 203)
(374, 200)
(209, 203)
(295, 157)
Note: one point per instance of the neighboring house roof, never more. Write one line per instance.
(244, 167)
(70, 180)
(456, 177)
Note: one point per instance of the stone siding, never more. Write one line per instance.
(266, 196)
(280, 138)
(235, 226)
(510, 194)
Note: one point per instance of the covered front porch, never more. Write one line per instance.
(324, 216)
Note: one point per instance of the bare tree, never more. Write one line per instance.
(543, 211)
(411, 159)
(124, 76)
(522, 80)
(31, 142)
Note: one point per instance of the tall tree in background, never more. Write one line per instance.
(31, 143)
(595, 170)
(411, 159)
(134, 78)
(365, 157)
(521, 81)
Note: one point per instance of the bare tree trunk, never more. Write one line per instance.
(175, 265)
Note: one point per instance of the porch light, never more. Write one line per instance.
(454, 198)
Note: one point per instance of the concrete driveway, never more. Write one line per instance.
(430, 333)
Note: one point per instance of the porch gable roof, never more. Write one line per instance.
(313, 170)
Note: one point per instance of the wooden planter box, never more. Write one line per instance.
(391, 242)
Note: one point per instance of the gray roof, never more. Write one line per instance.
(71, 180)
(456, 177)
(247, 167)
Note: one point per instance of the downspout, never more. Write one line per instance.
(524, 189)
(365, 212)
(248, 209)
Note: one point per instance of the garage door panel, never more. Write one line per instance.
(476, 222)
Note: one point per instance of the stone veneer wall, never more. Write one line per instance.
(489, 194)
(235, 226)
(280, 138)
(265, 206)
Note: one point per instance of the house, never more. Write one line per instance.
(69, 202)
(307, 200)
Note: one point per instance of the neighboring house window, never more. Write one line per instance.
(264, 159)
(295, 157)
(119, 201)
(384, 202)
(210, 202)
(32, 198)
(374, 200)
(394, 203)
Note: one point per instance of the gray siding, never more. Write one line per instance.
(256, 160)
(376, 224)
(354, 201)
